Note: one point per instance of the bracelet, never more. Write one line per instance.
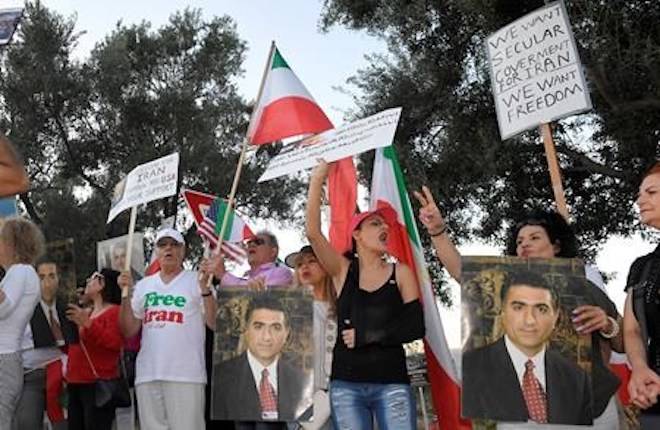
(612, 333)
(207, 294)
(442, 230)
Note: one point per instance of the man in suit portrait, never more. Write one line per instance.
(44, 343)
(517, 378)
(260, 384)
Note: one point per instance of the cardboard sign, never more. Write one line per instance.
(9, 19)
(535, 71)
(354, 138)
(154, 180)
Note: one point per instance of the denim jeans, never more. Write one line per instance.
(354, 404)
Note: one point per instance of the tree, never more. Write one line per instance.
(141, 94)
(448, 136)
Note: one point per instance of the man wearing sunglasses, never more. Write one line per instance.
(171, 306)
(265, 270)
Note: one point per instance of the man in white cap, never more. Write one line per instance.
(171, 306)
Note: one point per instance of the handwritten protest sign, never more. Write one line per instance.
(354, 138)
(9, 18)
(535, 70)
(149, 181)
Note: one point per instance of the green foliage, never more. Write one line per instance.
(448, 136)
(142, 93)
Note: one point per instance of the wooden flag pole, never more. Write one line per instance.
(129, 241)
(555, 172)
(241, 158)
(239, 168)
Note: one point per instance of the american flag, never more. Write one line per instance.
(209, 230)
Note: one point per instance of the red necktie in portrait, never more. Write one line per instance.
(534, 395)
(267, 397)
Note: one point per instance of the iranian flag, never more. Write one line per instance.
(284, 107)
(388, 189)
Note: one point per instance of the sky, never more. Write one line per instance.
(322, 61)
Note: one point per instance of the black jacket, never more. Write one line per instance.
(235, 395)
(491, 388)
(41, 332)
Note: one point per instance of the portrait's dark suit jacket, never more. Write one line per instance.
(41, 332)
(491, 388)
(235, 395)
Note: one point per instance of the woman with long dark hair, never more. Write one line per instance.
(546, 234)
(378, 310)
(97, 354)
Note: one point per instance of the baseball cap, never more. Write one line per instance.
(291, 259)
(171, 233)
(387, 212)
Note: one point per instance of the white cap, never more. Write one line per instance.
(171, 233)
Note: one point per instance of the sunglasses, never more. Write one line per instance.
(165, 243)
(255, 242)
(95, 276)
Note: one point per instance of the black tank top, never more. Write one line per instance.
(366, 310)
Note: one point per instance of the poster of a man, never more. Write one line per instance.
(512, 372)
(112, 253)
(268, 375)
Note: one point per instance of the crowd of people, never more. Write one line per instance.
(366, 307)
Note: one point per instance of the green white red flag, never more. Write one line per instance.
(388, 189)
(284, 107)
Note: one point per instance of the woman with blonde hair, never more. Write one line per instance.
(309, 272)
(21, 243)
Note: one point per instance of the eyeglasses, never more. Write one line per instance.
(95, 276)
(255, 242)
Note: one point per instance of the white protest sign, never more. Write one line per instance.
(149, 181)
(354, 138)
(9, 18)
(535, 71)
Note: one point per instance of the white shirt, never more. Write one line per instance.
(21, 288)
(519, 358)
(257, 368)
(172, 346)
(38, 358)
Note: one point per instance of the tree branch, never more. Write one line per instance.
(32, 211)
(591, 165)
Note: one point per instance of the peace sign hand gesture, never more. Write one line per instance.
(429, 214)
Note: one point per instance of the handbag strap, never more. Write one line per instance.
(89, 360)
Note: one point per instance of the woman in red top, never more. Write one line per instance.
(97, 353)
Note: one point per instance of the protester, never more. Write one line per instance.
(642, 311)
(171, 307)
(378, 309)
(21, 243)
(545, 234)
(44, 344)
(96, 356)
(13, 179)
(309, 272)
(265, 270)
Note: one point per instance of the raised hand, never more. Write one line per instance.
(429, 214)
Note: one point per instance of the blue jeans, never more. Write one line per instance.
(355, 403)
